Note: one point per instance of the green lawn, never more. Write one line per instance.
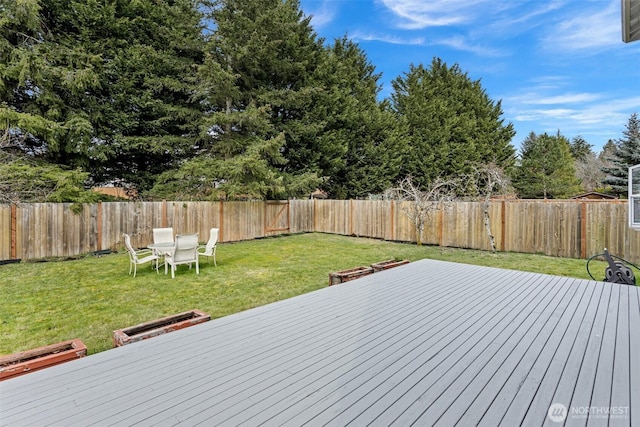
(43, 303)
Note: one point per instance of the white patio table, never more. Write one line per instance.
(161, 249)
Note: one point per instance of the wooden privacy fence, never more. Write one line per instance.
(572, 229)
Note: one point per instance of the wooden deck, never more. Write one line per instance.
(430, 343)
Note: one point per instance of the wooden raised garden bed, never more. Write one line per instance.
(24, 362)
(338, 277)
(158, 327)
(385, 265)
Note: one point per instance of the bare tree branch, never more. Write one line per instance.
(490, 180)
(423, 202)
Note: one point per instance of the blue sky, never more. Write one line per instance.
(555, 64)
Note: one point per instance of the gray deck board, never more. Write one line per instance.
(544, 385)
(634, 353)
(519, 377)
(364, 371)
(430, 343)
(367, 346)
(443, 356)
(620, 387)
(518, 333)
(601, 395)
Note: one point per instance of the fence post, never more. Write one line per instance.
(314, 213)
(503, 218)
(441, 225)
(221, 214)
(164, 213)
(350, 217)
(14, 231)
(583, 230)
(99, 226)
(393, 219)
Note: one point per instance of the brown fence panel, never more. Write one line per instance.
(55, 230)
(5, 232)
(277, 217)
(242, 221)
(193, 217)
(301, 216)
(632, 250)
(550, 228)
(607, 227)
(463, 225)
(371, 218)
(137, 219)
(404, 229)
(332, 216)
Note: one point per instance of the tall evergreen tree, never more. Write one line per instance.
(257, 88)
(451, 124)
(587, 165)
(580, 148)
(626, 154)
(608, 150)
(546, 168)
(357, 128)
(106, 87)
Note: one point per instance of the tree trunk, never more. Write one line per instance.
(487, 225)
(419, 230)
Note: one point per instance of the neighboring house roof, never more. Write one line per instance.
(118, 192)
(594, 195)
(319, 194)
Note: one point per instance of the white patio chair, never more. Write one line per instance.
(209, 250)
(142, 256)
(163, 235)
(184, 252)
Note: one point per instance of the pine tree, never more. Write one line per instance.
(106, 87)
(546, 168)
(626, 154)
(256, 87)
(580, 148)
(451, 125)
(357, 128)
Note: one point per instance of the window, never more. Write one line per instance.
(634, 196)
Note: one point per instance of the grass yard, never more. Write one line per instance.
(43, 303)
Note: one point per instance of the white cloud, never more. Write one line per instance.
(541, 9)
(419, 14)
(459, 43)
(386, 38)
(567, 98)
(416, 14)
(590, 29)
(599, 120)
(322, 15)
(463, 44)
